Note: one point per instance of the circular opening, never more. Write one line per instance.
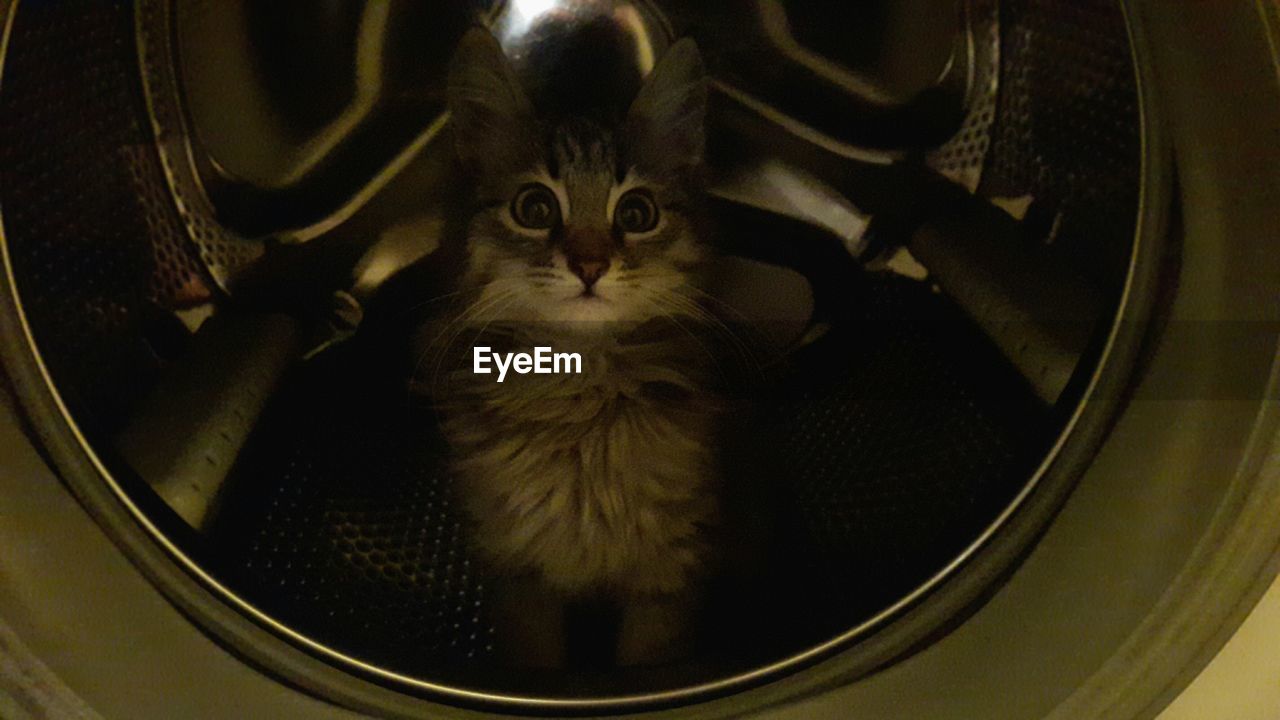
(222, 276)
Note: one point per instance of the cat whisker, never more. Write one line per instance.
(511, 298)
(470, 312)
(704, 296)
(657, 302)
(696, 310)
(431, 301)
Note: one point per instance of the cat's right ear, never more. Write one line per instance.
(492, 117)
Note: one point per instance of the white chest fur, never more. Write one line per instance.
(598, 481)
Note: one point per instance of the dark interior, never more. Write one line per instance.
(894, 441)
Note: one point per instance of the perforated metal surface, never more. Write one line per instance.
(177, 278)
(221, 251)
(93, 244)
(1067, 130)
(963, 157)
(900, 435)
(896, 442)
(341, 519)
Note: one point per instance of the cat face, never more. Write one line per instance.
(580, 223)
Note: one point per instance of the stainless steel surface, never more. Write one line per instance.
(350, 93)
(1034, 308)
(187, 434)
(582, 55)
(299, 157)
(576, 56)
(221, 251)
(963, 157)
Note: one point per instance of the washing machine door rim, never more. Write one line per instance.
(106, 505)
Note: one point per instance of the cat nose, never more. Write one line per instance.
(589, 270)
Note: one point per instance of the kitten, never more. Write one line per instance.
(587, 239)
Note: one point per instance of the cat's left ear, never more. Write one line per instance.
(666, 125)
(492, 118)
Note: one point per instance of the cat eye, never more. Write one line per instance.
(535, 207)
(636, 212)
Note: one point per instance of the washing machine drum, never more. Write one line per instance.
(223, 224)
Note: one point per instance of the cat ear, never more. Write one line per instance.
(492, 117)
(666, 125)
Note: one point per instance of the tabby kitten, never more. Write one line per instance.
(599, 485)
